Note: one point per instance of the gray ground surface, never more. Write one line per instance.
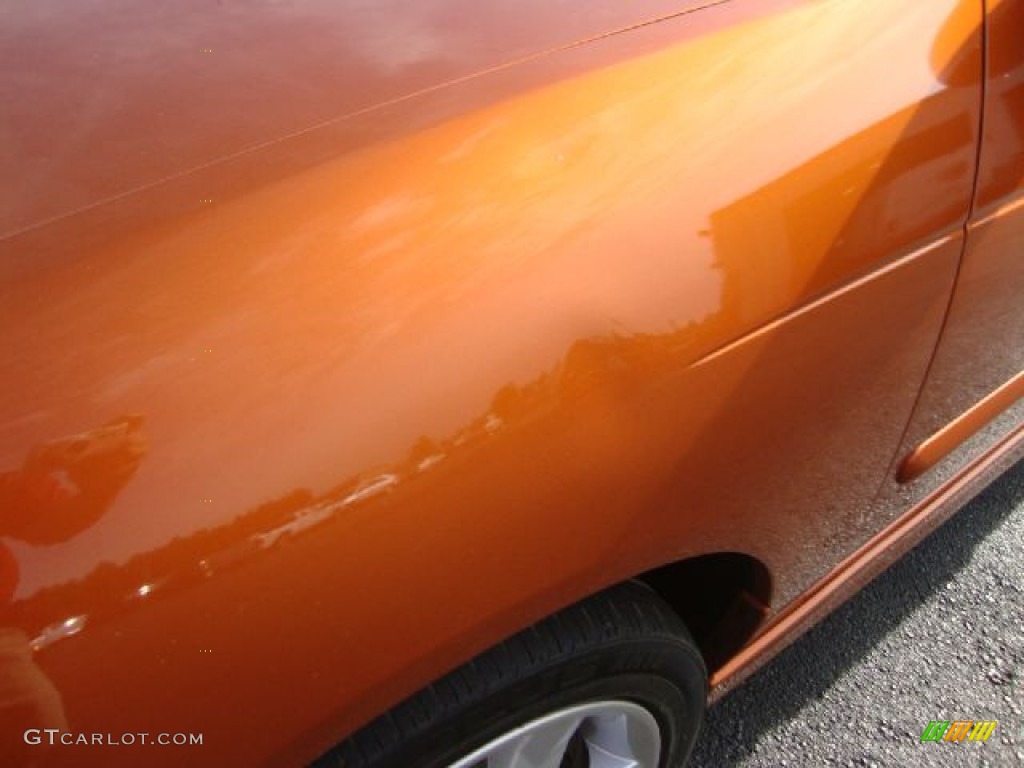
(939, 636)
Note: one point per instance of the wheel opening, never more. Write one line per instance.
(722, 598)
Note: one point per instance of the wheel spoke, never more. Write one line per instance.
(599, 758)
(616, 734)
(538, 747)
(617, 739)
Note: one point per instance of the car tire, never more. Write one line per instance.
(608, 674)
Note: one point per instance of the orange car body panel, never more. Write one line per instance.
(972, 396)
(392, 332)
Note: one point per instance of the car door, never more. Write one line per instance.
(970, 405)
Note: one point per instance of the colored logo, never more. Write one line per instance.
(958, 730)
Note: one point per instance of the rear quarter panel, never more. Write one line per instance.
(406, 381)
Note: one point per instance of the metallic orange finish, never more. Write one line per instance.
(945, 441)
(867, 562)
(1002, 159)
(328, 367)
(977, 366)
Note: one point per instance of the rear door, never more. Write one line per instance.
(972, 397)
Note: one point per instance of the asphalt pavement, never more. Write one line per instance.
(939, 636)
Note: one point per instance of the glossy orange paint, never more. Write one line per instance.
(971, 398)
(326, 369)
(953, 435)
(868, 561)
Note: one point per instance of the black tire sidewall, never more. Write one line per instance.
(664, 676)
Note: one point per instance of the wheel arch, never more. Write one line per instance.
(722, 598)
